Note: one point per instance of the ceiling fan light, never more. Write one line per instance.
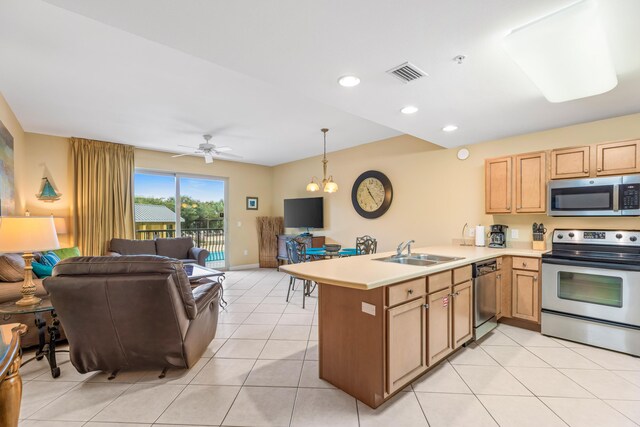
(565, 54)
(313, 186)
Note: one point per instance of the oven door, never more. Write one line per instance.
(585, 197)
(598, 293)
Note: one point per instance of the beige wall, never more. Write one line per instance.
(435, 194)
(243, 180)
(15, 129)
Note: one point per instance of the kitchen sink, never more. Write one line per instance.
(424, 260)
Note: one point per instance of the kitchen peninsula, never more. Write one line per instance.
(384, 324)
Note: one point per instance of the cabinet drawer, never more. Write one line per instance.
(397, 294)
(521, 263)
(438, 281)
(461, 274)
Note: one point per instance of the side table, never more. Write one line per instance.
(10, 381)
(45, 348)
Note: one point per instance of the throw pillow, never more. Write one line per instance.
(50, 259)
(11, 268)
(41, 270)
(65, 253)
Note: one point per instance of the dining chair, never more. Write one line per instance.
(296, 254)
(366, 245)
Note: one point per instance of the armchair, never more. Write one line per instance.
(132, 312)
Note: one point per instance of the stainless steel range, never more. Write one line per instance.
(591, 288)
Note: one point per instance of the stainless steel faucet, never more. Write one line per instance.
(403, 245)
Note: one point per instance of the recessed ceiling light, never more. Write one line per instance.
(450, 128)
(349, 81)
(409, 109)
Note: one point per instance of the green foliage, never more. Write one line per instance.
(196, 214)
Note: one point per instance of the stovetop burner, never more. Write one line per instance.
(606, 246)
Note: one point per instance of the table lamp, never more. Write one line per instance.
(27, 234)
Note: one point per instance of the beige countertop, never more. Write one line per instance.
(365, 272)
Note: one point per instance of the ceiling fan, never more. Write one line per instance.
(209, 150)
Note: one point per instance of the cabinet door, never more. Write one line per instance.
(531, 183)
(616, 158)
(570, 163)
(406, 346)
(462, 313)
(497, 183)
(525, 288)
(439, 326)
(498, 295)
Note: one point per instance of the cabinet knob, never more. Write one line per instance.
(499, 276)
(410, 291)
(535, 279)
(599, 169)
(509, 207)
(425, 306)
(524, 264)
(586, 171)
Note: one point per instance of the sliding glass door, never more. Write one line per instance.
(198, 213)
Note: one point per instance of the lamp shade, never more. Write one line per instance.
(27, 234)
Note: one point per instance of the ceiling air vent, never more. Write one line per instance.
(407, 72)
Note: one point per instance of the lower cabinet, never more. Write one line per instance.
(406, 342)
(439, 325)
(525, 288)
(462, 313)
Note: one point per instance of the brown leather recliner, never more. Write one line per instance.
(132, 312)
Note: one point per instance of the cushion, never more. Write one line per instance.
(133, 247)
(64, 253)
(11, 268)
(49, 259)
(41, 270)
(177, 248)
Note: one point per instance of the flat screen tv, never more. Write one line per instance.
(304, 213)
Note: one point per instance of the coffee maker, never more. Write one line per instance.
(498, 236)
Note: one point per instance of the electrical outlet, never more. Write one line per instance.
(246, 252)
(471, 232)
(515, 233)
(239, 223)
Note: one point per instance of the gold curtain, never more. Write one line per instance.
(268, 230)
(103, 193)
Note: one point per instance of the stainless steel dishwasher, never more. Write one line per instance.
(484, 301)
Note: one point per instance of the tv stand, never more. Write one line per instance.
(311, 241)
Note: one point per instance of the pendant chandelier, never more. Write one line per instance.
(328, 186)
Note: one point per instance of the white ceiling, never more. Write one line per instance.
(157, 73)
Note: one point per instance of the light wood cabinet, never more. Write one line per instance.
(498, 295)
(525, 288)
(462, 313)
(406, 343)
(531, 183)
(439, 326)
(570, 162)
(498, 181)
(618, 158)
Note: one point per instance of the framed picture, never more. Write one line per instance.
(252, 203)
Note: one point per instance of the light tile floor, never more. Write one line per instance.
(262, 370)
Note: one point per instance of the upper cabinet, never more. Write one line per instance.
(498, 180)
(531, 183)
(570, 163)
(522, 178)
(618, 158)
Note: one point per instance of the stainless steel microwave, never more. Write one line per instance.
(606, 196)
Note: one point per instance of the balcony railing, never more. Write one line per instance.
(211, 239)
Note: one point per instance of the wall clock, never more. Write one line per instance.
(372, 194)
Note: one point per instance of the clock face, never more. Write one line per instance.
(371, 194)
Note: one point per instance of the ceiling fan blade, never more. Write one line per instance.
(223, 149)
(180, 155)
(231, 156)
(187, 146)
(208, 158)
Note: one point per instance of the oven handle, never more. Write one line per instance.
(592, 264)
